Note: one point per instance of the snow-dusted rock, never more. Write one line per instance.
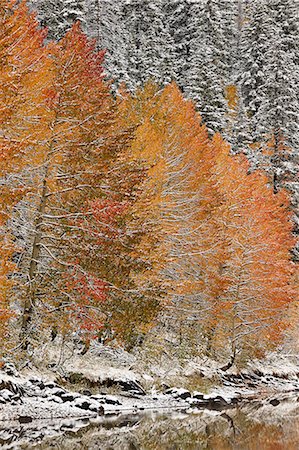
(178, 393)
(111, 400)
(25, 419)
(198, 395)
(88, 405)
(6, 395)
(10, 369)
(67, 397)
(106, 399)
(55, 399)
(59, 392)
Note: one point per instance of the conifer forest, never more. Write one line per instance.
(149, 218)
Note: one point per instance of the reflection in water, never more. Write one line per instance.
(250, 428)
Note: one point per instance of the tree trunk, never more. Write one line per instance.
(230, 363)
(30, 299)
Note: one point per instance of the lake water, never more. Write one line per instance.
(249, 428)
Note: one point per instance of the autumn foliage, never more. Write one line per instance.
(115, 209)
(224, 237)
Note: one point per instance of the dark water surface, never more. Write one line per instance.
(253, 427)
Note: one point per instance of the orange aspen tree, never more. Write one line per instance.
(89, 200)
(72, 215)
(224, 238)
(175, 195)
(257, 227)
(22, 62)
(80, 141)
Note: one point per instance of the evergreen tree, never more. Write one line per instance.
(231, 12)
(240, 136)
(149, 50)
(107, 25)
(269, 85)
(137, 42)
(178, 18)
(49, 13)
(59, 15)
(209, 68)
(282, 108)
(285, 14)
(73, 11)
(255, 43)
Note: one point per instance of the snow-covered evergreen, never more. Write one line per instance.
(59, 15)
(255, 43)
(150, 46)
(178, 18)
(240, 135)
(269, 79)
(209, 68)
(49, 13)
(137, 41)
(73, 11)
(283, 106)
(107, 25)
(269, 89)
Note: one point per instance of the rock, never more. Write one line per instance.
(41, 385)
(67, 426)
(220, 399)
(234, 400)
(198, 395)
(217, 403)
(193, 402)
(274, 402)
(184, 395)
(93, 407)
(58, 392)
(10, 369)
(99, 398)
(12, 386)
(178, 393)
(132, 394)
(97, 409)
(50, 385)
(86, 392)
(6, 395)
(208, 404)
(108, 399)
(34, 380)
(101, 410)
(132, 386)
(88, 405)
(37, 382)
(25, 419)
(111, 401)
(84, 405)
(55, 399)
(67, 397)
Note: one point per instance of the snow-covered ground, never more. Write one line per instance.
(109, 383)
